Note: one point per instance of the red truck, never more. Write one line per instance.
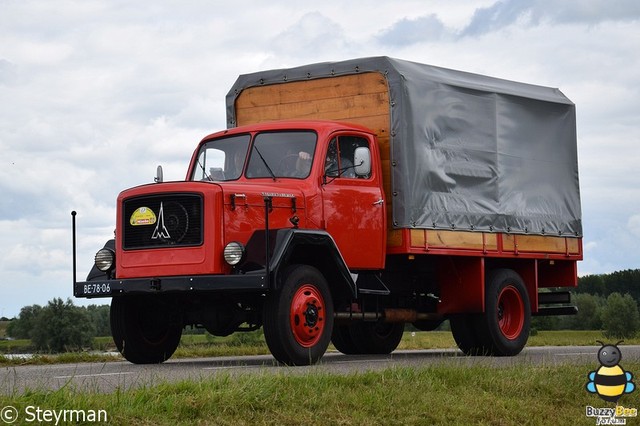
(345, 200)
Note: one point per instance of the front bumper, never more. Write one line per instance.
(182, 284)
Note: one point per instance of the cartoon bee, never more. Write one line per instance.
(610, 381)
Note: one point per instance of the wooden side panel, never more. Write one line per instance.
(540, 244)
(358, 98)
(459, 242)
(464, 240)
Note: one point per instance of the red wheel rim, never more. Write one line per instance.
(510, 312)
(307, 315)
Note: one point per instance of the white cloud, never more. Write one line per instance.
(634, 225)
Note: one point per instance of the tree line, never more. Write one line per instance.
(60, 325)
(607, 302)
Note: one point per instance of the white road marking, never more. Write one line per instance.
(360, 361)
(577, 353)
(234, 366)
(91, 375)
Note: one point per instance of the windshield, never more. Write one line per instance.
(222, 159)
(281, 154)
(274, 154)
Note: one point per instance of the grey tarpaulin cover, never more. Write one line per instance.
(468, 151)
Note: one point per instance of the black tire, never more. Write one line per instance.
(427, 325)
(507, 316)
(298, 317)
(145, 329)
(377, 337)
(467, 334)
(342, 340)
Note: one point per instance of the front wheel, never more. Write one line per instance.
(145, 329)
(298, 317)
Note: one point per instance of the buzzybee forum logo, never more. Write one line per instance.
(610, 382)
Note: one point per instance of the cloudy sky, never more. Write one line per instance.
(95, 93)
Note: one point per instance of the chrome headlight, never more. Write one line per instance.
(105, 259)
(233, 253)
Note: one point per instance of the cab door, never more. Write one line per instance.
(354, 207)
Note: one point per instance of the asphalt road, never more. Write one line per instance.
(107, 377)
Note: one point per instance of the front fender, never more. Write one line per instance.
(303, 246)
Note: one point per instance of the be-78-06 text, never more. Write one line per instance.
(97, 288)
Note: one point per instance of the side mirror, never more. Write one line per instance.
(159, 178)
(362, 161)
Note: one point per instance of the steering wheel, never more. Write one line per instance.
(285, 168)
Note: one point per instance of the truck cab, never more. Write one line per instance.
(320, 175)
(259, 203)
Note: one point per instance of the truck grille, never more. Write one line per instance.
(162, 220)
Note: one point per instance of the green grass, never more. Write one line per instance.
(425, 395)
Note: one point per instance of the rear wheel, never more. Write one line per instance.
(466, 333)
(376, 337)
(342, 340)
(145, 329)
(298, 317)
(508, 313)
(503, 329)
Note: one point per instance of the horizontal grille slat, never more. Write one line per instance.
(162, 220)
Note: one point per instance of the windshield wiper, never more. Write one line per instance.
(273, 176)
(205, 175)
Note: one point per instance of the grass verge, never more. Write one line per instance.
(426, 395)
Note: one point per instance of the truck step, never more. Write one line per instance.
(371, 284)
(554, 297)
(556, 310)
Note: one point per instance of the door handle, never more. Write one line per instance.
(377, 203)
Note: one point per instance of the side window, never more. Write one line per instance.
(340, 156)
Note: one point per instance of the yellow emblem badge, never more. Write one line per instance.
(142, 216)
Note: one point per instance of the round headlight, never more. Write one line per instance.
(233, 253)
(105, 259)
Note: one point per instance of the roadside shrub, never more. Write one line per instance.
(21, 327)
(61, 326)
(620, 317)
(590, 309)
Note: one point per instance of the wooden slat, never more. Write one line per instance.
(454, 239)
(573, 245)
(534, 243)
(312, 90)
(350, 108)
(394, 238)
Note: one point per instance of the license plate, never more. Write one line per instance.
(90, 289)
